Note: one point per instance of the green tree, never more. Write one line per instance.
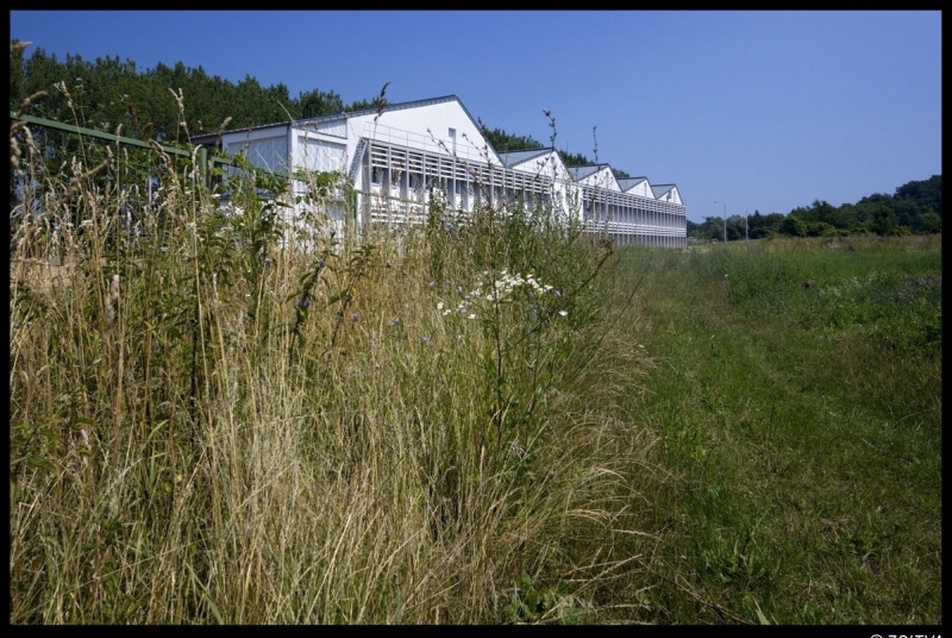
(736, 228)
(844, 218)
(712, 229)
(503, 142)
(793, 226)
(315, 103)
(930, 223)
(928, 193)
(42, 72)
(914, 199)
(755, 224)
(773, 221)
(362, 105)
(574, 159)
(17, 80)
(884, 221)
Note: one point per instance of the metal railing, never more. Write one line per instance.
(199, 154)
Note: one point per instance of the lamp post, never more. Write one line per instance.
(725, 219)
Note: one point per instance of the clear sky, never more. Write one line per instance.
(763, 110)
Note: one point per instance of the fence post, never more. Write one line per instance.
(202, 157)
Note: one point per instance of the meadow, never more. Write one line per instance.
(216, 417)
(798, 396)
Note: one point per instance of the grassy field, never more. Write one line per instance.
(798, 395)
(490, 420)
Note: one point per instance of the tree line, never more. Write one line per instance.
(915, 207)
(108, 93)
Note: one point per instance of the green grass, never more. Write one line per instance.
(798, 394)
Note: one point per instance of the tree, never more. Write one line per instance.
(17, 80)
(772, 223)
(915, 199)
(574, 159)
(316, 102)
(884, 221)
(793, 226)
(844, 218)
(759, 225)
(362, 105)
(712, 229)
(736, 227)
(927, 192)
(930, 223)
(502, 141)
(42, 73)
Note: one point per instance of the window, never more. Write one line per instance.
(375, 175)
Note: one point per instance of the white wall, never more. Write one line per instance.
(265, 151)
(643, 188)
(317, 153)
(669, 194)
(420, 127)
(602, 178)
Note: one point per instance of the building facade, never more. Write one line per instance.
(399, 157)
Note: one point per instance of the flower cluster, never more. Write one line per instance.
(501, 290)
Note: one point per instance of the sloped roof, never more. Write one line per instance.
(511, 158)
(389, 106)
(661, 189)
(583, 171)
(631, 182)
(346, 114)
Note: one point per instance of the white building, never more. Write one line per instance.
(400, 156)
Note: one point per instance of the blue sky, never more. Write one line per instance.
(764, 110)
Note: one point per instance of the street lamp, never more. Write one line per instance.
(725, 218)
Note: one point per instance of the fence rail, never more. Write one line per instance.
(199, 153)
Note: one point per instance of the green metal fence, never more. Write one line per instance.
(204, 159)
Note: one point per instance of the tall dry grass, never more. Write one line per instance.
(214, 419)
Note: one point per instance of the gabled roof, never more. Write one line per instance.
(512, 158)
(389, 106)
(346, 114)
(661, 189)
(631, 182)
(583, 171)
